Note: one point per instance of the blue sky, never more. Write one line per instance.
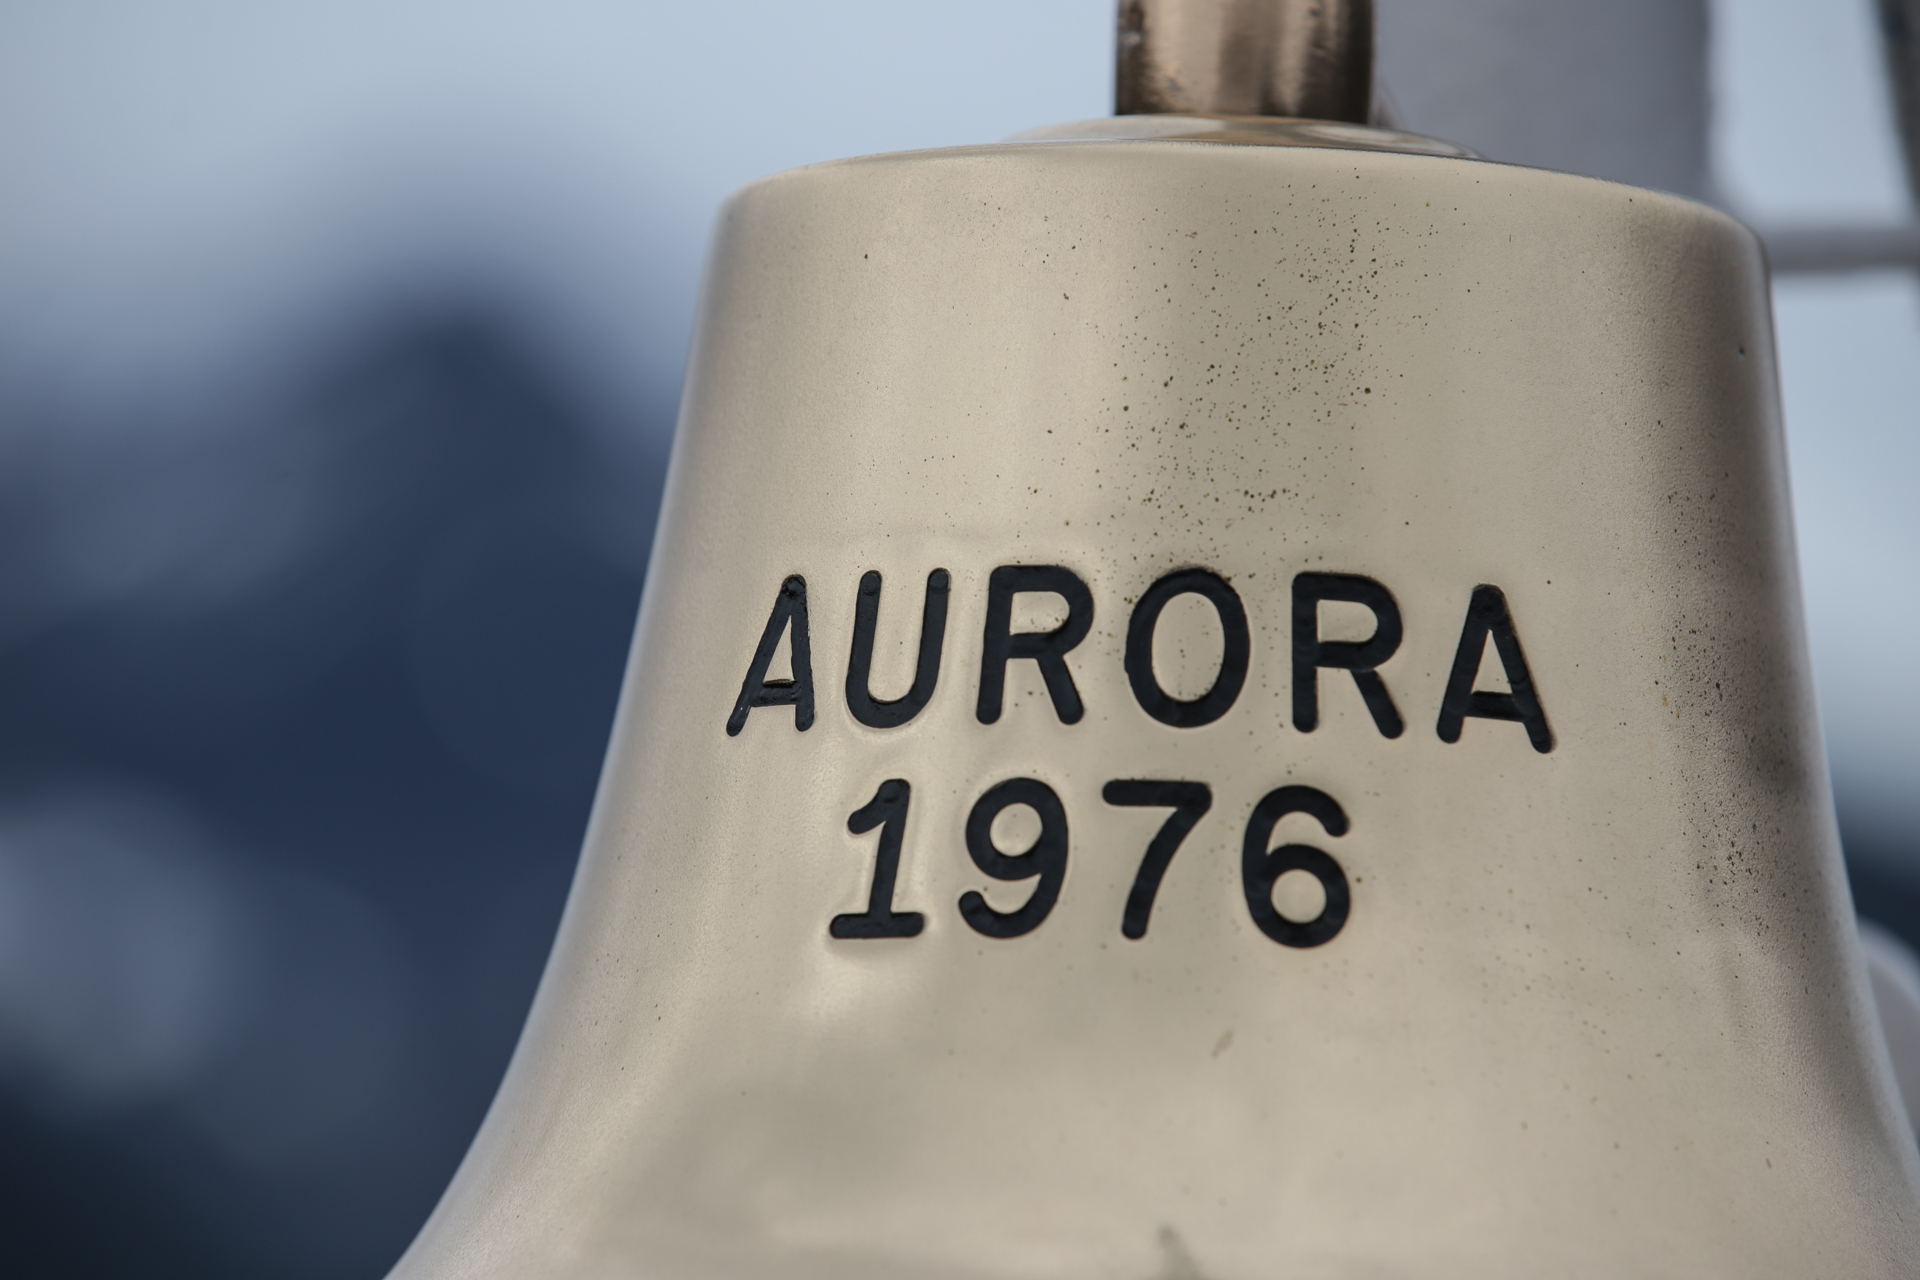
(195, 188)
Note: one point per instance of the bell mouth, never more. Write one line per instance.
(1251, 131)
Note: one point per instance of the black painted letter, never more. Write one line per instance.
(1259, 869)
(1310, 652)
(1047, 859)
(1189, 802)
(1047, 648)
(1487, 615)
(1214, 703)
(789, 609)
(888, 811)
(867, 709)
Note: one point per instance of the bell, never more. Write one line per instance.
(1219, 695)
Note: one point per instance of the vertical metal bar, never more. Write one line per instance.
(1306, 58)
(1900, 39)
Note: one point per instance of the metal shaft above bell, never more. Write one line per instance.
(1311, 59)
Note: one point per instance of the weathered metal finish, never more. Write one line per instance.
(1306, 58)
(1595, 1011)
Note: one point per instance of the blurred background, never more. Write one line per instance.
(339, 353)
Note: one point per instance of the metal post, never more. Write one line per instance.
(1304, 58)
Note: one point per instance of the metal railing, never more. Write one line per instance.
(1814, 250)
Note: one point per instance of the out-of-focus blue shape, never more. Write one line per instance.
(303, 713)
(1850, 375)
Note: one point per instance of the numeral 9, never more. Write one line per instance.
(1046, 860)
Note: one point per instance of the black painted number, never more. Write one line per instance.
(1189, 802)
(1260, 869)
(888, 811)
(1046, 860)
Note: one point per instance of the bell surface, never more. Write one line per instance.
(1210, 710)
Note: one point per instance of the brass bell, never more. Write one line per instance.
(1220, 694)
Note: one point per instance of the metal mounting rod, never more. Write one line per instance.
(1819, 250)
(1311, 59)
(1900, 39)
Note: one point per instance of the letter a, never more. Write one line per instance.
(1487, 615)
(789, 610)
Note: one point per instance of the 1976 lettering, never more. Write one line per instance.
(1045, 861)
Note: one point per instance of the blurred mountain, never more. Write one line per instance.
(303, 709)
